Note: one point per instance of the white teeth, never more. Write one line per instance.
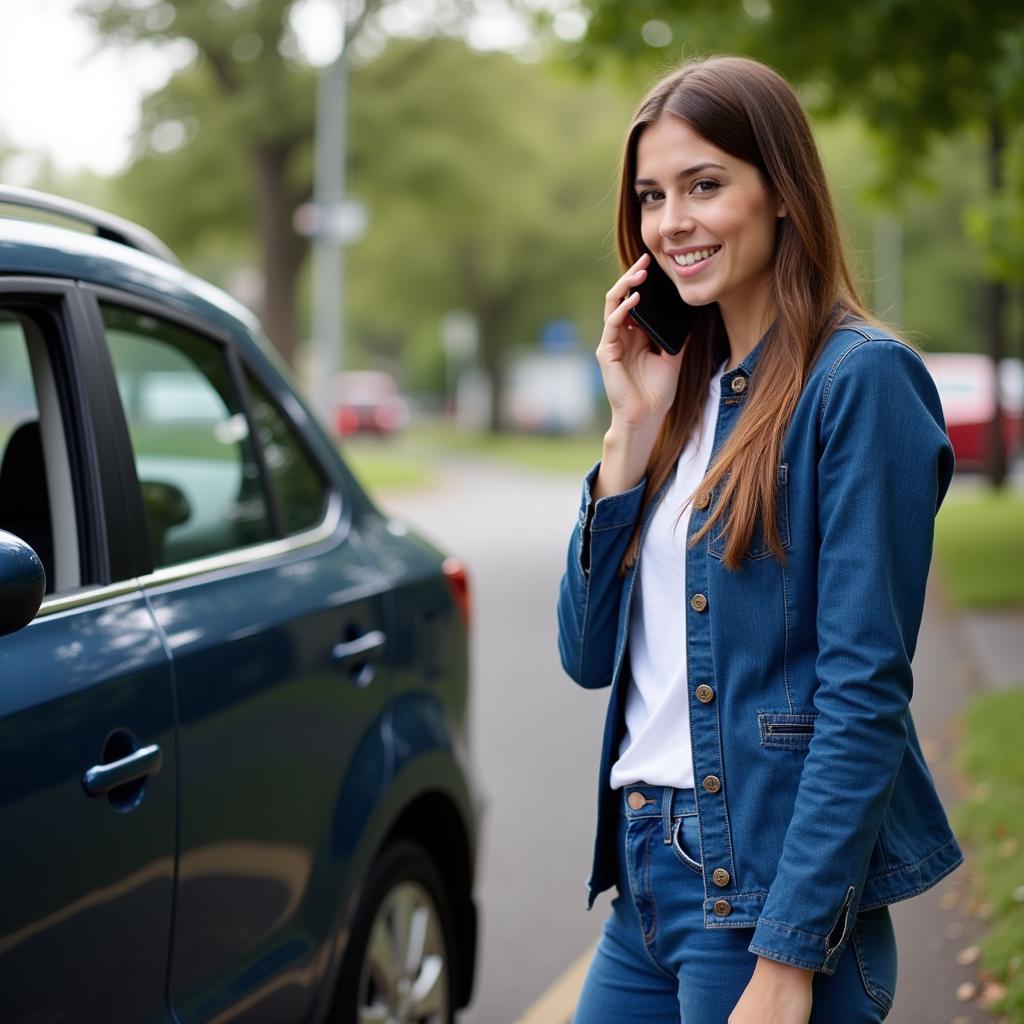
(688, 259)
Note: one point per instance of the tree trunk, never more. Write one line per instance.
(492, 350)
(283, 249)
(995, 321)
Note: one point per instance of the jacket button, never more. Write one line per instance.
(723, 908)
(704, 693)
(698, 602)
(702, 501)
(636, 800)
(720, 877)
(712, 783)
(739, 384)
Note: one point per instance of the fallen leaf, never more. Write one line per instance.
(968, 955)
(992, 993)
(966, 991)
(949, 899)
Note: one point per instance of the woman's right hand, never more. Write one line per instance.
(639, 378)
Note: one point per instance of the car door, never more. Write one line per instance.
(277, 631)
(87, 751)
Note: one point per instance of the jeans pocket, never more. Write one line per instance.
(874, 946)
(679, 846)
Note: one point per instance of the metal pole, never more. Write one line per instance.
(888, 269)
(328, 254)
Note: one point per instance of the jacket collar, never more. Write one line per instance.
(748, 364)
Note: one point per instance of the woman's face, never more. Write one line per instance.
(707, 217)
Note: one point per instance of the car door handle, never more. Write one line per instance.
(102, 778)
(372, 641)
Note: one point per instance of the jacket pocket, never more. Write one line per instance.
(758, 542)
(786, 730)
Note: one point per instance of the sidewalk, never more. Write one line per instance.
(958, 656)
(937, 932)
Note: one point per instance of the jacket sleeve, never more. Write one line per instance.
(884, 464)
(591, 587)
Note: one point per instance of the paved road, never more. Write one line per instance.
(933, 928)
(537, 741)
(537, 734)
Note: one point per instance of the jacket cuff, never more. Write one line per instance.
(789, 945)
(613, 511)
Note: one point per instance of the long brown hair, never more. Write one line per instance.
(748, 110)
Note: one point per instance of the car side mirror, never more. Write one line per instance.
(22, 583)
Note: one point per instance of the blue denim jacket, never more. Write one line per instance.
(814, 800)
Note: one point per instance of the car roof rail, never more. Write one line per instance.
(106, 225)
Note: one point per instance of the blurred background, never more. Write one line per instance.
(416, 197)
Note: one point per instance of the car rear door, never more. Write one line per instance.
(277, 631)
(87, 744)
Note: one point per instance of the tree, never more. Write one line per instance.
(239, 96)
(239, 118)
(487, 179)
(489, 185)
(915, 72)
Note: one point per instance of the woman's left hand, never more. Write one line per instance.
(776, 994)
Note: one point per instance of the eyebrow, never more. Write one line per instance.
(695, 169)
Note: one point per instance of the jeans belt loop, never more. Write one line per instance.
(666, 814)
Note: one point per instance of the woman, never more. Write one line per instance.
(748, 575)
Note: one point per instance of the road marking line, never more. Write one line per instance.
(556, 1005)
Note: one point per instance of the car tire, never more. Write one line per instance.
(401, 960)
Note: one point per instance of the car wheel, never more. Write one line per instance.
(400, 965)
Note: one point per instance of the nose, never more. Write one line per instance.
(675, 219)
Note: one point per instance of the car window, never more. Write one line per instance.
(299, 486)
(200, 481)
(17, 393)
(37, 501)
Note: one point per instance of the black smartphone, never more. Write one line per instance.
(663, 315)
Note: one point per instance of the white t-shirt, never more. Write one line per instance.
(656, 746)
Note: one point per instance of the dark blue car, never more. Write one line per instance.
(233, 693)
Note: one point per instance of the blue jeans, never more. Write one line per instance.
(655, 961)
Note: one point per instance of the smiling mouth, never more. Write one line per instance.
(690, 258)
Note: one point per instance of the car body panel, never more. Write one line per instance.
(295, 770)
(88, 894)
(269, 722)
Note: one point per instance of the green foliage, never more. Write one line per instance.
(916, 72)
(990, 821)
(996, 223)
(487, 179)
(979, 542)
(488, 183)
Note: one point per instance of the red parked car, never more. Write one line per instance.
(369, 402)
(966, 387)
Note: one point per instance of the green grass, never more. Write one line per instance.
(979, 542)
(555, 453)
(559, 454)
(991, 821)
(413, 458)
(383, 464)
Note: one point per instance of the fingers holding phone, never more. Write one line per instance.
(639, 376)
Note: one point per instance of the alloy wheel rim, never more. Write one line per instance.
(404, 978)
